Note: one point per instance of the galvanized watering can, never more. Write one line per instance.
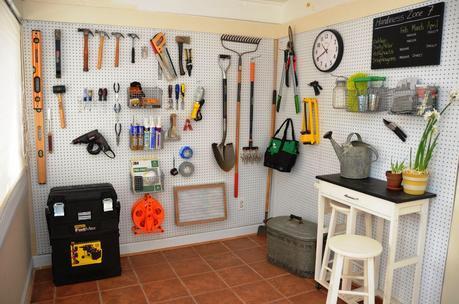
(355, 156)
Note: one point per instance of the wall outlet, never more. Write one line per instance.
(241, 205)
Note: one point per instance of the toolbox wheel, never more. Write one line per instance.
(318, 286)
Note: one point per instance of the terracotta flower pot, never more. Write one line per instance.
(394, 181)
(415, 182)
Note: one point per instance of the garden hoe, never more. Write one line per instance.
(224, 154)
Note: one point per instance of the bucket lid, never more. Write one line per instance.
(302, 230)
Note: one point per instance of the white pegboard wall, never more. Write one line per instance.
(71, 165)
(295, 193)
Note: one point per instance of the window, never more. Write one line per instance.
(12, 160)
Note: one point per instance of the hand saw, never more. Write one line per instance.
(37, 98)
(158, 43)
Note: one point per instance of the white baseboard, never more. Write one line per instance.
(26, 293)
(45, 259)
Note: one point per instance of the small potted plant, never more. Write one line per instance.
(416, 177)
(394, 176)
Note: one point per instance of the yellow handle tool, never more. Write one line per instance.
(310, 127)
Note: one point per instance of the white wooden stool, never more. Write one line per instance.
(337, 208)
(353, 247)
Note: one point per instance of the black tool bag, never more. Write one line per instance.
(83, 232)
(282, 152)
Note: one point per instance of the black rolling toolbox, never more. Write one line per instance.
(83, 232)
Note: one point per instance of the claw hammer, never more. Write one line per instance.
(100, 54)
(133, 36)
(117, 48)
(86, 33)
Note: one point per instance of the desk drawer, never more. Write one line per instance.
(364, 202)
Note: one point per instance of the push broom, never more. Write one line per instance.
(225, 38)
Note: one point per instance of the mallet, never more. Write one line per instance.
(60, 90)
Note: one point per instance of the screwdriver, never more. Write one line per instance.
(177, 94)
(182, 96)
(170, 88)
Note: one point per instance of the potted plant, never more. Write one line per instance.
(394, 176)
(416, 177)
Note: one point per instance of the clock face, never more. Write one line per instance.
(327, 51)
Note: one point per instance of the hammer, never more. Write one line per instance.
(60, 90)
(117, 48)
(180, 41)
(133, 36)
(86, 33)
(100, 55)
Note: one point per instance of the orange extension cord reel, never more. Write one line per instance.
(147, 215)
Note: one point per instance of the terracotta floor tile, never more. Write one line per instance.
(43, 275)
(281, 301)
(252, 255)
(225, 296)
(164, 290)
(203, 283)
(257, 293)
(180, 254)
(42, 291)
(260, 240)
(90, 298)
(125, 264)
(313, 297)
(240, 243)
(290, 285)
(127, 278)
(190, 266)
(224, 260)
(156, 272)
(210, 249)
(185, 300)
(267, 270)
(239, 275)
(76, 289)
(44, 302)
(147, 259)
(126, 295)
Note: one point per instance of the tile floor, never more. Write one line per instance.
(223, 272)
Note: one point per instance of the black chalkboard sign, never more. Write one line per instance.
(410, 38)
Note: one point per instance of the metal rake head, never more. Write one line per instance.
(239, 39)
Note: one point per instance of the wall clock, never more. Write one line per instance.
(327, 51)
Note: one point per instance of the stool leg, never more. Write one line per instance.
(333, 288)
(350, 229)
(365, 280)
(326, 258)
(368, 225)
(371, 280)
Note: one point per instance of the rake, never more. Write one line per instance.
(225, 38)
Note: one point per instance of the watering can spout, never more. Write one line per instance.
(338, 148)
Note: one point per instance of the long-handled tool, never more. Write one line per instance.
(100, 53)
(59, 90)
(50, 131)
(250, 153)
(246, 40)
(133, 37)
(262, 228)
(37, 101)
(86, 33)
(57, 52)
(289, 71)
(117, 110)
(118, 36)
(180, 41)
(224, 153)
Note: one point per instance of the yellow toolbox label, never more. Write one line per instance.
(86, 253)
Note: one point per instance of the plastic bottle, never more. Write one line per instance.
(152, 134)
(146, 134)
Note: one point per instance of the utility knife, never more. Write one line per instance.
(396, 129)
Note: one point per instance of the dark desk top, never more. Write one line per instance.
(374, 187)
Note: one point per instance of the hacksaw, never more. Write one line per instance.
(37, 101)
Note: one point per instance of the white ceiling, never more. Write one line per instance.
(270, 11)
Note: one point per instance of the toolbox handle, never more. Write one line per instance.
(296, 217)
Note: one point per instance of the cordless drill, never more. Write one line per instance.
(94, 138)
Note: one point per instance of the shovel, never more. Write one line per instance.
(224, 153)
